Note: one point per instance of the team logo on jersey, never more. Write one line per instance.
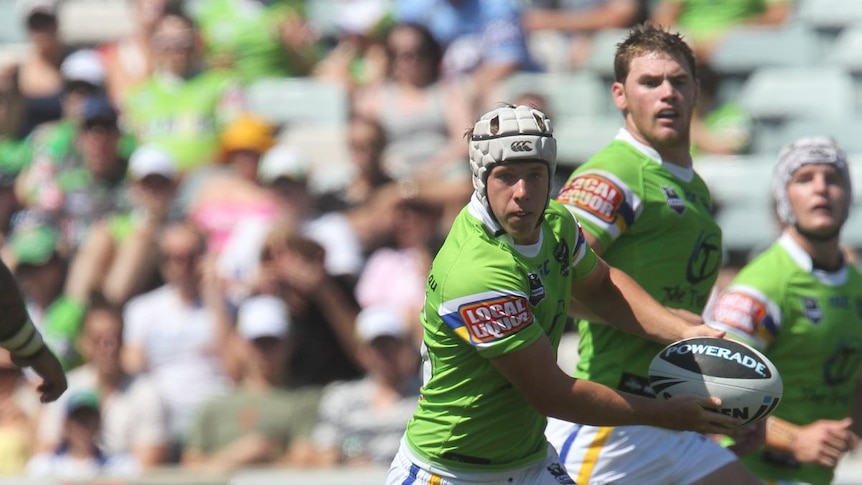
(494, 319)
(562, 256)
(537, 289)
(594, 194)
(811, 310)
(674, 201)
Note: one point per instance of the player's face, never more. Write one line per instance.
(818, 197)
(658, 99)
(517, 194)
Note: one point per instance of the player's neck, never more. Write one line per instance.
(825, 254)
(679, 156)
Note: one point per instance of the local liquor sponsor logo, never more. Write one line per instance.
(494, 319)
(595, 194)
(741, 311)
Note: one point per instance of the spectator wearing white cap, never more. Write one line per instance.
(362, 421)
(259, 422)
(118, 257)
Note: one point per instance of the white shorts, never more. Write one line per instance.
(636, 455)
(407, 469)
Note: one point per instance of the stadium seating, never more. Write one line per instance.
(568, 94)
(747, 49)
(829, 14)
(601, 57)
(11, 28)
(848, 133)
(740, 188)
(581, 137)
(78, 17)
(305, 100)
(813, 92)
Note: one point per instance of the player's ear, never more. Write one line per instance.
(619, 95)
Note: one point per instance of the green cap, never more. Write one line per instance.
(82, 399)
(34, 243)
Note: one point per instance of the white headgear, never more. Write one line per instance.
(806, 151)
(510, 134)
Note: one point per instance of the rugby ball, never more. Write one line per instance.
(747, 383)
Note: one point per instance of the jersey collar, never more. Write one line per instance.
(804, 261)
(478, 210)
(682, 173)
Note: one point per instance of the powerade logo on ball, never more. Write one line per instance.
(750, 366)
(495, 319)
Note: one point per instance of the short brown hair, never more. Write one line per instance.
(646, 38)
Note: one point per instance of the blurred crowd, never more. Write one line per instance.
(212, 305)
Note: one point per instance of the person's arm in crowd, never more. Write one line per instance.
(89, 264)
(20, 337)
(133, 357)
(215, 298)
(610, 14)
(297, 43)
(666, 13)
(310, 278)
(774, 13)
(249, 449)
(134, 264)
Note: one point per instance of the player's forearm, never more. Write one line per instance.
(623, 303)
(17, 333)
(780, 434)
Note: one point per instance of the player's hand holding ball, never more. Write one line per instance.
(746, 382)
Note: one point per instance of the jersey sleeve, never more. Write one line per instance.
(602, 202)
(485, 302)
(746, 314)
(495, 322)
(584, 259)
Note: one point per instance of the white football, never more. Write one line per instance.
(747, 383)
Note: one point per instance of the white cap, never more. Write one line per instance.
(83, 65)
(379, 321)
(262, 316)
(359, 16)
(282, 161)
(151, 160)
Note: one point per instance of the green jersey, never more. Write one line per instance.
(56, 140)
(183, 116)
(807, 322)
(486, 297)
(703, 20)
(654, 222)
(246, 36)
